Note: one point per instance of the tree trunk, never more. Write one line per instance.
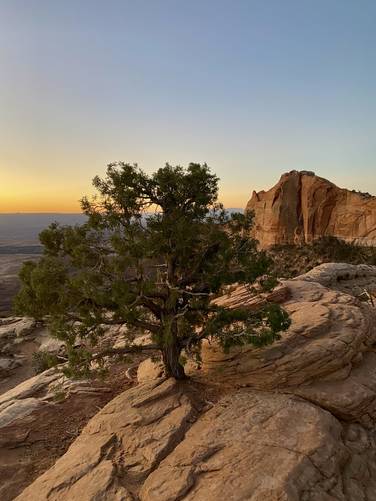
(171, 356)
(171, 347)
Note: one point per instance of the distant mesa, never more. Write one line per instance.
(303, 207)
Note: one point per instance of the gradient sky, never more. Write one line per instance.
(254, 88)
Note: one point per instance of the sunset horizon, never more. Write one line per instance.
(187, 250)
(254, 89)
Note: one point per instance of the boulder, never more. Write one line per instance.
(51, 345)
(20, 337)
(16, 326)
(7, 364)
(329, 331)
(149, 444)
(149, 370)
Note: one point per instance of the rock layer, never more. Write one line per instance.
(297, 422)
(330, 330)
(37, 417)
(120, 447)
(20, 338)
(254, 446)
(303, 207)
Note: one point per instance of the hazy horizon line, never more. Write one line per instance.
(25, 213)
(37, 212)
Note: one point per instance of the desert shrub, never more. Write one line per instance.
(43, 360)
(154, 253)
(293, 260)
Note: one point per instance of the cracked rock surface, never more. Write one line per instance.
(329, 333)
(254, 445)
(32, 416)
(120, 446)
(297, 422)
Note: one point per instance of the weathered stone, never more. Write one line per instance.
(328, 331)
(31, 386)
(119, 447)
(27, 412)
(51, 345)
(16, 327)
(351, 398)
(254, 446)
(303, 207)
(303, 430)
(149, 370)
(7, 364)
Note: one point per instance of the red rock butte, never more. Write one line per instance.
(303, 207)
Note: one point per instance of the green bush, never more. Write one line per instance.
(43, 360)
(293, 260)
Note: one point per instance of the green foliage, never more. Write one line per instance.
(80, 361)
(155, 251)
(59, 392)
(43, 360)
(292, 260)
(336, 250)
(239, 327)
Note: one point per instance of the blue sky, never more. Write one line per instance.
(254, 88)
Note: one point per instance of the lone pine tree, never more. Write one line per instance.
(154, 252)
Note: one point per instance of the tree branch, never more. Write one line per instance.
(125, 350)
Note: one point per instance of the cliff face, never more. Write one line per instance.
(303, 207)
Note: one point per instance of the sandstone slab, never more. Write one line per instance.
(149, 370)
(254, 446)
(329, 330)
(119, 447)
(33, 418)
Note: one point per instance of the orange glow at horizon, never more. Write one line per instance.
(49, 200)
(29, 204)
(24, 199)
(39, 192)
(295, 89)
(59, 190)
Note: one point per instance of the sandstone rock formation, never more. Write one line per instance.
(120, 447)
(294, 421)
(149, 370)
(20, 338)
(329, 331)
(254, 446)
(40, 415)
(303, 207)
(36, 418)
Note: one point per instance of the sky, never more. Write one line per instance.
(253, 88)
